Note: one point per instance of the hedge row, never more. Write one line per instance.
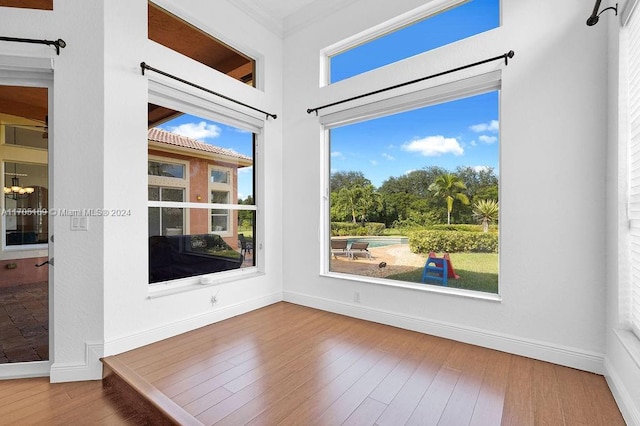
(341, 229)
(453, 241)
(460, 227)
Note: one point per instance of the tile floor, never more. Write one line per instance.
(24, 323)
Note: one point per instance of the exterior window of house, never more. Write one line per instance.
(166, 220)
(201, 196)
(414, 189)
(221, 187)
(438, 23)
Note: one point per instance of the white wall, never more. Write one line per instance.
(100, 154)
(553, 133)
(132, 318)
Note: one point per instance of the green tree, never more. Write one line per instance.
(348, 179)
(449, 187)
(355, 201)
(486, 211)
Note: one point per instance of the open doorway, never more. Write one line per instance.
(24, 227)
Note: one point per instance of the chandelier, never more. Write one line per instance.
(16, 191)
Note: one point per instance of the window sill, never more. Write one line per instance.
(631, 343)
(167, 288)
(478, 295)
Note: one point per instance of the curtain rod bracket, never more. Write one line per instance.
(144, 66)
(595, 15)
(58, 44)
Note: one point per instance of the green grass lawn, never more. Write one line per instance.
(478, 271)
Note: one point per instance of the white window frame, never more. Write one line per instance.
(629, 292)
(474, 82)
(192, 101)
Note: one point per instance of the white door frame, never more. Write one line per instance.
(34, 72)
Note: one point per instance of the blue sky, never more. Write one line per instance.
(221, 135)
(458, 133)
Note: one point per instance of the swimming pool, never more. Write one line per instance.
(379, 241)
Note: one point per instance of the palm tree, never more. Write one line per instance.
(486, 211)
(449, 187)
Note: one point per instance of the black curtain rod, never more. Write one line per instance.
(59, 43)
(144, 66)
(505, 56)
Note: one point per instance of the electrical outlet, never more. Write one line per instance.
(356, 296)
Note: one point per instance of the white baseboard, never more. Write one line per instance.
(89, 369)
(127, 343)
(625, 402)
(23, 370)
(557, 354)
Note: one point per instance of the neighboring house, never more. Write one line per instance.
(183, 169)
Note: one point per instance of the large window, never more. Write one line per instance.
(414, 196)
(438, 23)
(201, 196)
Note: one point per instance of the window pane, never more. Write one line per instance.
(220, 176)
(408, 187)
(172, 194)
(466, 20)
(173, 256)
(166, 169)
(214, 166)
(219, 197)
(26, 203)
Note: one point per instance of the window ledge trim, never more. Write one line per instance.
(470, 294)
(630, 342)
(183, 285)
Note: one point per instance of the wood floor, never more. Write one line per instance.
(291, 365)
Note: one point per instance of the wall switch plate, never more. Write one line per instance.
(79, 223)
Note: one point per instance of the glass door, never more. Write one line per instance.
(24, 228)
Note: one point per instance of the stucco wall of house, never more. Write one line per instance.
(553, 128)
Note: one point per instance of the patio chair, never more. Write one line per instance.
(359, 248)
(245, 246)
(339, 247)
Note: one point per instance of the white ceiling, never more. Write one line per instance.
(284, 17)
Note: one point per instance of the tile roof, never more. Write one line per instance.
(158, 135)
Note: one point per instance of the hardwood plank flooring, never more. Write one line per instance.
(291, 365)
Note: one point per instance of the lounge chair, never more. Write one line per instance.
(359, 248)
(339, 247)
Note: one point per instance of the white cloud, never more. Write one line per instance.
(373, 162)
(481, 168)
(200, 131)
(245, 170)
(434, 146)
(409, 171)
(491, 126)
(387, 156)
(473, 143)
(337, 154)
(487, 139)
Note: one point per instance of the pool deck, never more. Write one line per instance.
(398, 258)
